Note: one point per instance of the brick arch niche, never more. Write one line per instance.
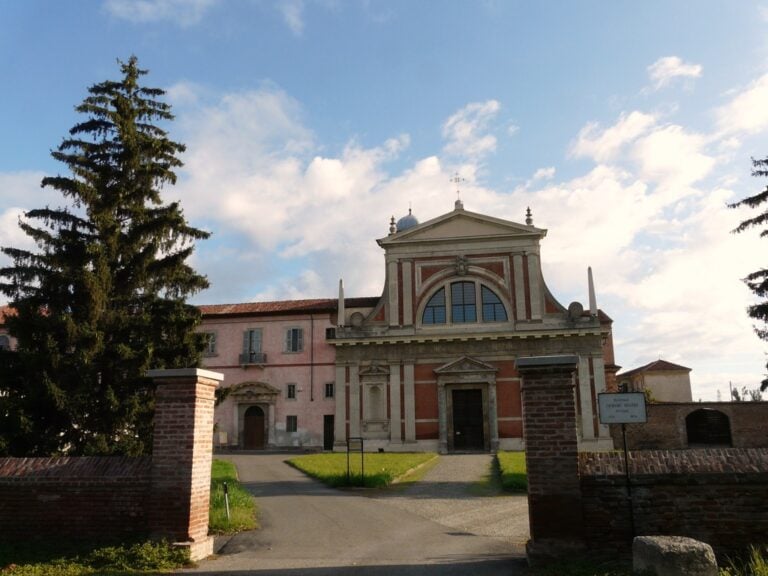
(708, 427)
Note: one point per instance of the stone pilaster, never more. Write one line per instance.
(395, 419)
(409, 397)
(340, 418)
(354, 401)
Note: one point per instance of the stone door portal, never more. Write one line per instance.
(253, 428)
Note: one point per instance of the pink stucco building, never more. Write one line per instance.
(279, 371)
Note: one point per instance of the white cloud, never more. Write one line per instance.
(184, 93)
(666, 69)
(604, 145)
(293, 14)
(466, 131)
(646, 217)
(673, 158)
(747, 111)
(183, 12)
(544, 173)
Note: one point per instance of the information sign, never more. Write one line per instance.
(622, 408)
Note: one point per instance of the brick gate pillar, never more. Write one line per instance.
(181, 457)
(551, 456)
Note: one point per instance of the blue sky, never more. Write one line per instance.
(625, 126)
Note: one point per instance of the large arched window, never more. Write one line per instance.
(462, 298)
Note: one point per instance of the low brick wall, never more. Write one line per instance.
(86, 497)
(666, 430)
(165, 495)
(718, 496)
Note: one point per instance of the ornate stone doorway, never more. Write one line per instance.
(466, 400)
(254, 414)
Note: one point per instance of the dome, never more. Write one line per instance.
(407, 221)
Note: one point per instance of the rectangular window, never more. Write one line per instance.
(294, 340)
(210, 344)
(330, 333)
(329, 390)
(291, 423)
(291, 392)
(252, 353)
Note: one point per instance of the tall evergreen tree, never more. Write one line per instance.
(758, 280)
(102, 300)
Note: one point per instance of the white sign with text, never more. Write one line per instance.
(622, 408)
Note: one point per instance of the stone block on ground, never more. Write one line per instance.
(672, 556)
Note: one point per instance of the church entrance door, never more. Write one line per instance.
(468, 420)
(253, 428)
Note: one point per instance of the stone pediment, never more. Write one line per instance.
(465, 365)
(461, 224)
(375, 370)
(254, 390)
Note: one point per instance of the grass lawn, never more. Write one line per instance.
(381, 469)
(62, 558)
(242, 507)
(57, 558)
(514, 477)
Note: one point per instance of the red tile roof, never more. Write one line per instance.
(656, 366)
(284, 307)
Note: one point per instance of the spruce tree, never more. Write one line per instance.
(102, 299)
(758, 280)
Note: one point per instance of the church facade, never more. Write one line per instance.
(428, 365)
(431, 366)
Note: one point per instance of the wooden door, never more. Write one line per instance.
(468, 420)
(328, 432)
(253, 428)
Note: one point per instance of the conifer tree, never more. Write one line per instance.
(102, 299)
(758, 280)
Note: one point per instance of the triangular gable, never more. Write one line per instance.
(375, 370)
(465, 365)
(254, 389)
(461, 224)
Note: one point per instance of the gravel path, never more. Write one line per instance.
(454, 494)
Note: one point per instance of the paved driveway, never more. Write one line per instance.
(436, 527)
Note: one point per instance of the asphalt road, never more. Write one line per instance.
(310, 530)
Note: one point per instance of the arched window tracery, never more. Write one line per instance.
(461, 298)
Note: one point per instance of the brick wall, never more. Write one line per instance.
(666, 428)
(88, 497)
(719, 496)
(165, 495)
